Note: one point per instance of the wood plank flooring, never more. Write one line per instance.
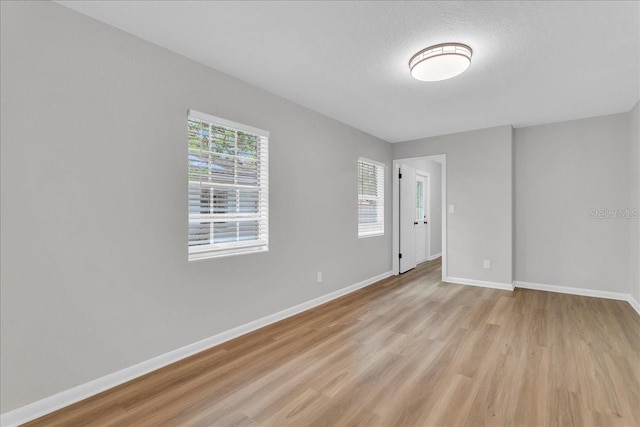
(407, 351)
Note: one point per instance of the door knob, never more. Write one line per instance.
(415, 223)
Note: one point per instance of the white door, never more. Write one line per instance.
(421, 220)
(407, 218)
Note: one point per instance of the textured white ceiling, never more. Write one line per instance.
(533, 62)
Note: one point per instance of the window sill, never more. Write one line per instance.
(364, 236)
(222, 253)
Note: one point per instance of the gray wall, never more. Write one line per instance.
(434, 169)
(95, 275)
(634, 199)
(562, 172)
(479, 185)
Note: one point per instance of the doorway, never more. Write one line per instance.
(415, 239)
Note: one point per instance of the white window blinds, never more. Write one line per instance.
(370, 198)
(228, 187)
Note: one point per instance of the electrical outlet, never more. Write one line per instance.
(487, 263)
(319, 276)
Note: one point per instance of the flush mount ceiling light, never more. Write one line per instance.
(440, 62)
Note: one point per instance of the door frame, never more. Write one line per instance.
(427, 212)
(395, 231)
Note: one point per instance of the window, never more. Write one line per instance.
(420, 200)
(370, 198)
(228, 188)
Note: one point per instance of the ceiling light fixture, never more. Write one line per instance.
(440, 62)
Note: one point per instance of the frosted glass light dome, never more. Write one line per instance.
(440, 62)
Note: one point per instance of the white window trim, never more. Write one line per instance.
(364, 235)
(213, 250)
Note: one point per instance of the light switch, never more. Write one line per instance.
(452, 208)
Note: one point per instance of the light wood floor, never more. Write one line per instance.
(407, 351)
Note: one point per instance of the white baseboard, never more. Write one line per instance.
(634, 303)
(580, 291)
(481, 283)
(65, 398)
(571, 291)
(432, 257)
